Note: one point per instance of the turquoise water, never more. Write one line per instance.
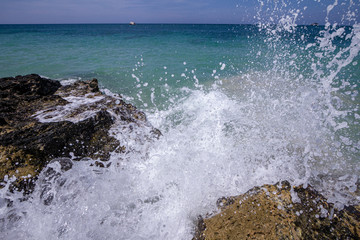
(111, 52)
(115, 53)
(238, 106)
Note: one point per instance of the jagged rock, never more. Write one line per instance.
(41, 120)
(279, 212)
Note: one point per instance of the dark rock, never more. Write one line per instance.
(40, 120)
(2, 121)
(19, 96)
(29, 85)
(279, 212)
(93, 84)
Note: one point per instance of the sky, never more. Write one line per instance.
(172, 11)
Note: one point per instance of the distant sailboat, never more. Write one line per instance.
(132, 23)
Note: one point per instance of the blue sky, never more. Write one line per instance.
(167, 11)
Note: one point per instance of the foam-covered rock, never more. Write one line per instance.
(41, 120)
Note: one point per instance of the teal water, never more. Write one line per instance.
(154, 53)
(111, 53)
(238, 106)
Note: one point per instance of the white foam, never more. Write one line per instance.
(210, 148)
(223, 65)
(64, 112)
(256, 128)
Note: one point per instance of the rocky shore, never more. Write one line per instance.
(42, 121)
(279, 211)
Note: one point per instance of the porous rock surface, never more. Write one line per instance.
(41, 120)
(279, 212)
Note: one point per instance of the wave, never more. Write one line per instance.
(296, 118)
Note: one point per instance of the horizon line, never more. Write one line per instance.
(140, 23)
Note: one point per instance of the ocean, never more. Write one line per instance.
(238, 106)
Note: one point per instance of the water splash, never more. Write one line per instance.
(294, 118)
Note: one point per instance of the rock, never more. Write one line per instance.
(52, 174)
(41, 120)
(28, 86)
(19, 96)
(279, 212)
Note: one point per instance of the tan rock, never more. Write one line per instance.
(279, 212)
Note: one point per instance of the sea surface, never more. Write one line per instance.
(238, 106)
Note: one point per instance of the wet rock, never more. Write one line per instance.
(41, 120)
(20, 97)
(51, 175)
(279, 212)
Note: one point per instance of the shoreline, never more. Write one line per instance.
(42, 122)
